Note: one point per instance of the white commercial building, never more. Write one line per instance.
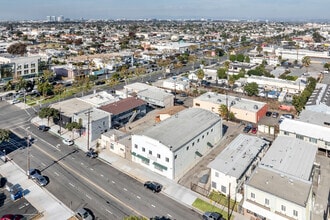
(23, 65)
(235, 163)
(176, 84)
(175, 145)
(281, 186)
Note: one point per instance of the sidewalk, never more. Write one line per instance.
(171, 188)
(46, 204)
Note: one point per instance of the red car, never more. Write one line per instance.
(254, 130)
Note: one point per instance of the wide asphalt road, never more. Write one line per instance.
(79, 181)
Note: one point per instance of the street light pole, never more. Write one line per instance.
(28, 152)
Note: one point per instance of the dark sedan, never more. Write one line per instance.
(153, 186)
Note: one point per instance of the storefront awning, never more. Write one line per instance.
(160, 166)
(198, 154)
(143, 158)
(209, 144)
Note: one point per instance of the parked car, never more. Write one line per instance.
(268, 114)
(83, 214)
(40, 180)
(15, 101)
(254, 130)
(153, 186)
(91, 153)
(43, 128)
(68, 142)
(275, 114)
(212, 216)
(247, 128)
(290, 116)
(33, 172)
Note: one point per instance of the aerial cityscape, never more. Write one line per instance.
(165, 110)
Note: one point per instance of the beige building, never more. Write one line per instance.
(117, 142)
(243, 109)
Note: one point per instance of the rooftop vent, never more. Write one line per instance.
(255, 107)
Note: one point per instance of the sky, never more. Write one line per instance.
(166, 9)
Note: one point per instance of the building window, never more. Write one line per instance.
(283, 208)
(295, 213)
(33, 70)
(223, 189)
(167, 159)
(197, 104)
(143, 149)
(150, 152)
(135, 145)
(203, 137)
(193, 144)
(187, 148)
(19, 67)
(212, 130)
(216, 174)
(313, 140)
(26, 66)
(207, 133)
(176, 156)
(111, 146)
(33, 65)
(214, 185)
(26, 71)
(286, 133)
(158, 155)
(266, 201)
(198, 140)
(327, 143)
(298, 136)
(19, 72)
(253, 196)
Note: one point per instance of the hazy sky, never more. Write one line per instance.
(163, 9)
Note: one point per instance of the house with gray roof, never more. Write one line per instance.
(235, 163)
(281, 186)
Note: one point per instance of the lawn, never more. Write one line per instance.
(205, 206)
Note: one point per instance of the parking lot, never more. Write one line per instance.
(14, 203)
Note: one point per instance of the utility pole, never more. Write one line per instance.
(88, 113)
(228, 217)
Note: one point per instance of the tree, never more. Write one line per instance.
(200, 74)
(17, 49)
(317, 37)
(259, 49)
(221, 73)
(251, 89)
(134, 218)
(327, 66)
(223, 111)
(21, 84)
(73, 126)
(240, 57)
(4, 135)
(232, 58)
(48, 112)
(306, 61)
(45, 88)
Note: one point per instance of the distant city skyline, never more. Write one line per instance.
(293, 10)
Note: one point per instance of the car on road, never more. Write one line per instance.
(40, 180)
(268, 114)
(83, 214)
(91, 153)
(212, 216)
(290, 116)
(153, 186)
(68, 142)
(43, 128)
(12, 217)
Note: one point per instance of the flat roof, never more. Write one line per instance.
(291, 156)
(320, 95)
(306, 129)
(283, 186)
(238, 155)
(316, 118)
(100, 98)
(233, 101)
(70, 106)
(95, 114)
(154, 93)
(178, 130)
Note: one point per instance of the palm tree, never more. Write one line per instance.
(223, 111)
(200, 74)
(73, 126)
(306, 61)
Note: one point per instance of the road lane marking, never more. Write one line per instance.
(88, 197)
(138, 197)
(169, 215)
(113, 181)
(57, 174)
(101, 175)
(71, 184)
(125, 189)
(91, 169)
(43, 164)
(153, 205)
(108, 211)
(89, 182)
